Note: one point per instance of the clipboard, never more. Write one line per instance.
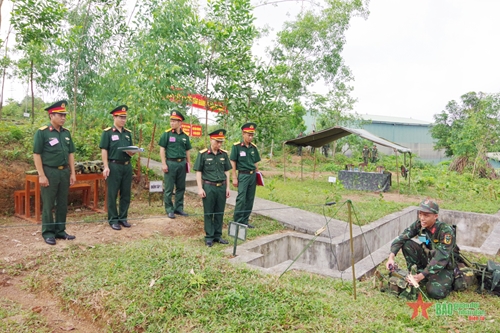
(132, 149)
(260, 178)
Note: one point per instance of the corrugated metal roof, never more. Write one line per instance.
(320, 138)
(393, 120)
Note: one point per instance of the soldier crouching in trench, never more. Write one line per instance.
(434, 258)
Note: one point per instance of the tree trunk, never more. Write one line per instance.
(32, 96)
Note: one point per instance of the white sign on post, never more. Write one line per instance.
(332, 179)
(156, 186)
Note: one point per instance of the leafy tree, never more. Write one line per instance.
(468, 129)
(37, 24)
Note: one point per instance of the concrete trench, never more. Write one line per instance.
(329, 254)
(332, 256)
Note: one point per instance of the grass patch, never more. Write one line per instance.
(14, 319)
(311, 195)
(177, 285)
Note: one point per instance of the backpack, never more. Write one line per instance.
(488, 277)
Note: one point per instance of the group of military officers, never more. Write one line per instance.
(53, 154)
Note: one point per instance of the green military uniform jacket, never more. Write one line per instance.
(366, 152)
(440, 239)
(212, 166)
(112, 139)
(53, 146)
(245, 157)
(175, 144)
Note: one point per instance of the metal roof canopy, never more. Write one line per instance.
(321, 138)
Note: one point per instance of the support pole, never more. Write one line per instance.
(301, 166)
(284, 162)
(349, 203)
(236, 239)
(398, 169)
(314, 170)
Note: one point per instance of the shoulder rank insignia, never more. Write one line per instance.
(236, 143)
(225, 151)
(168, 130)
(107, 128)
(43, 128)
(126, 129)
(253, 144)
(203, 151)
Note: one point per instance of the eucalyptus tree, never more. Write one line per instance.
(164, 54)
(89, 42)
(308, 53)
(227, 65)
(37, 24)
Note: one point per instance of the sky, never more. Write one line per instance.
(409, 58)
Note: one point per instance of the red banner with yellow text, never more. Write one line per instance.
(192, 130)
(198, 101)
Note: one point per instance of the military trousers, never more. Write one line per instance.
(176, 176)
(437, 285)
(55, 196)
(213, 208)
(247, 184)
(119, 182)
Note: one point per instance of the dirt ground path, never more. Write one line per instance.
(21, 243)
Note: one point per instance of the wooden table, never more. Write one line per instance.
(94, 177)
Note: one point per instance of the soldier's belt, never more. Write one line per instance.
(176, 159)
(214, 183)
(119, 162)
(248, 172)
(60, 167)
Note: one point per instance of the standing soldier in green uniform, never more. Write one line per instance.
(366, 154)
(175, 161)
(244, 158)
(53, 154)
(434, 257)
(374, 154)
(117, 168)
(212, 176)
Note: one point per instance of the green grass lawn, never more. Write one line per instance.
(165, 284)
(178, 285)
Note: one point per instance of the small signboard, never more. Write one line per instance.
(26, 114)
(155, 186)
(332, 179)
(237, 230)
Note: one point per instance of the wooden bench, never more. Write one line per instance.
(19, 196)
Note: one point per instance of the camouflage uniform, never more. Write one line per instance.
(366, 155)
(433, 258)
(374, 154)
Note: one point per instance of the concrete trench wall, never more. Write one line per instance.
(332, 257)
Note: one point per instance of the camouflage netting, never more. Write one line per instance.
(81, 167)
